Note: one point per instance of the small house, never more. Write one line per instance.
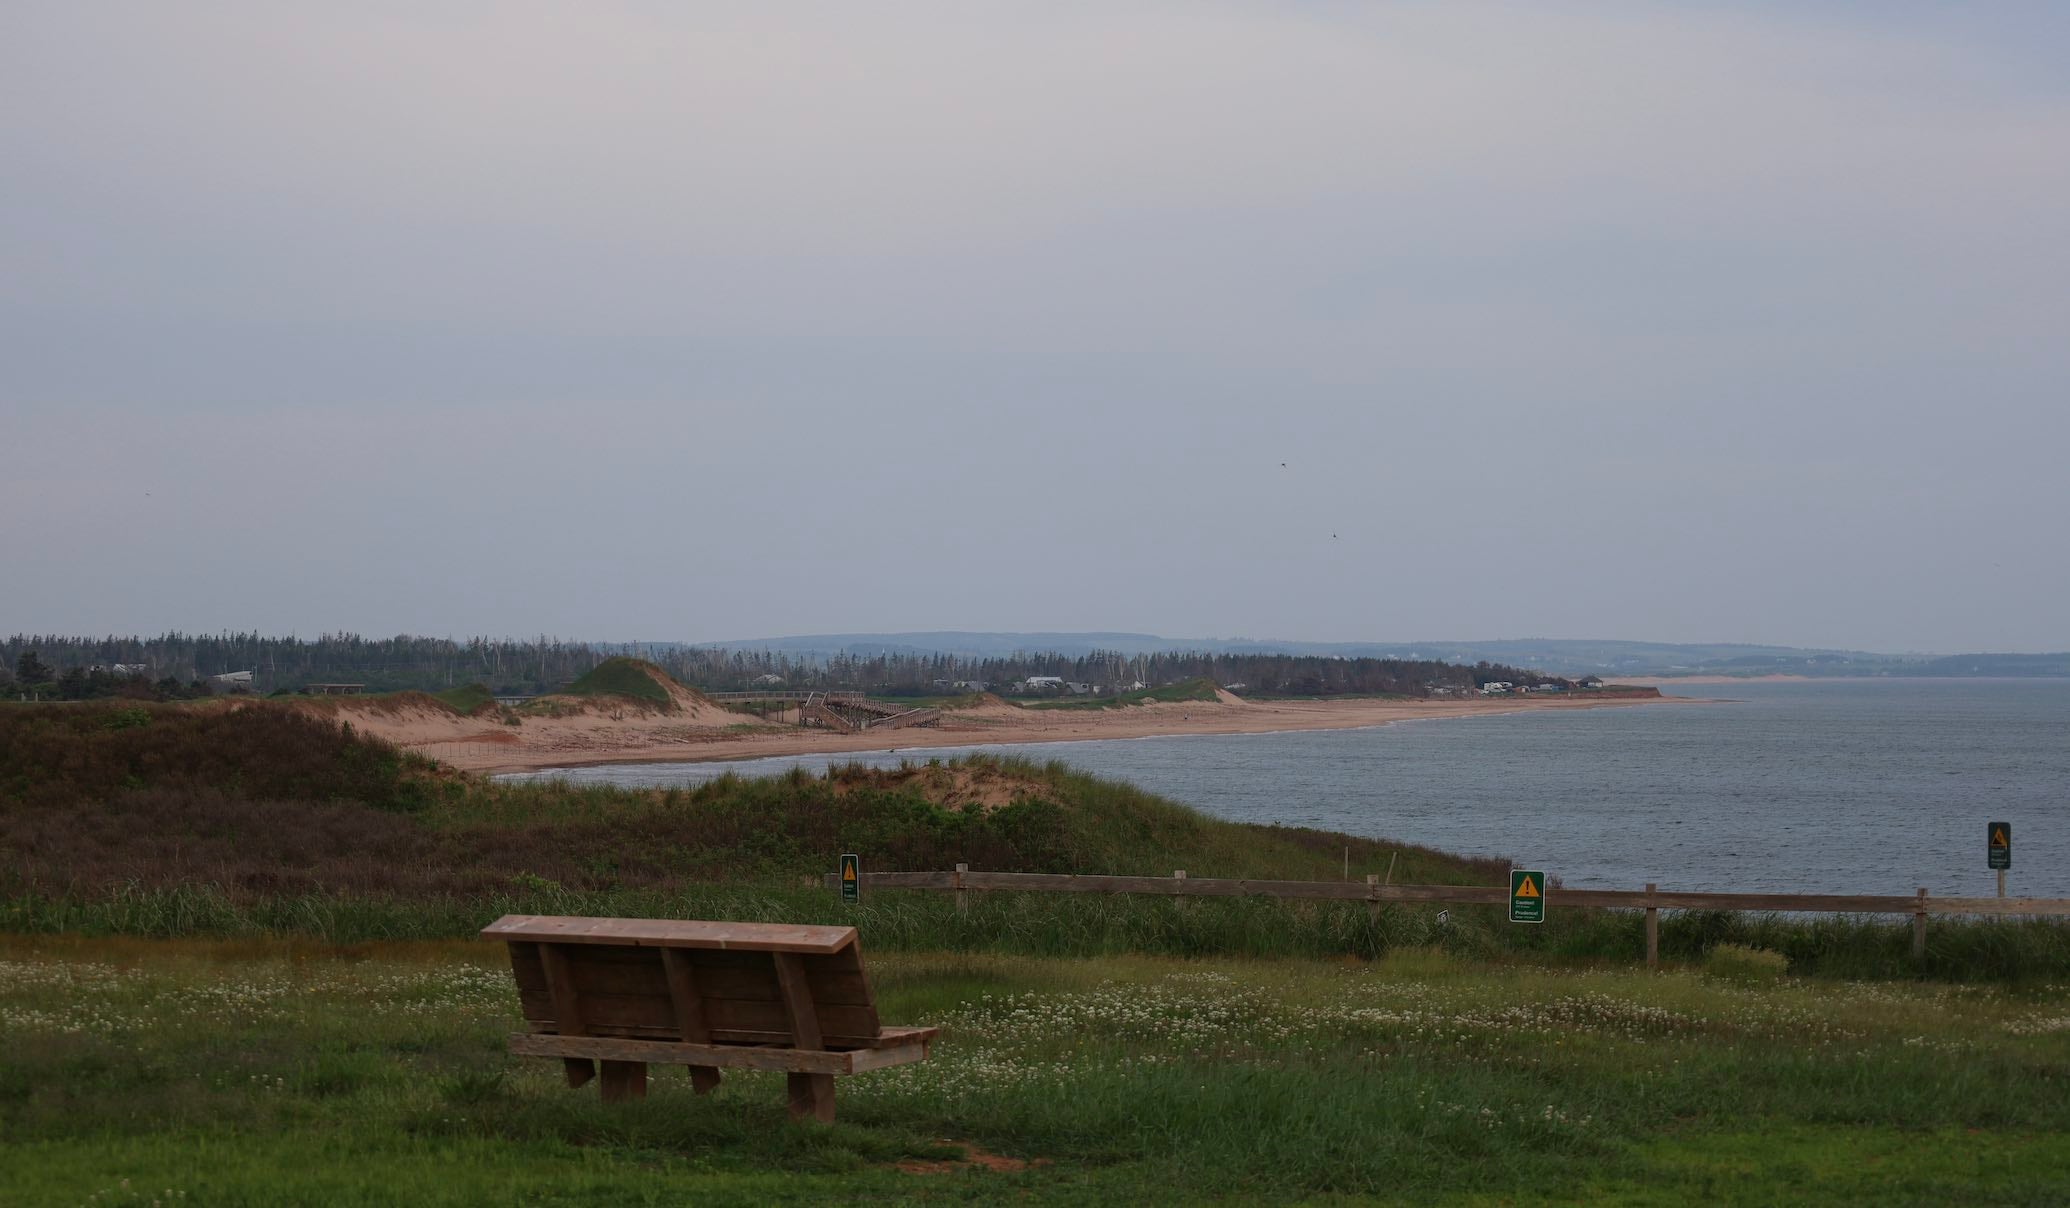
(231, 681)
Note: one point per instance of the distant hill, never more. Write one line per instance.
(1555, 656)
(963, 645)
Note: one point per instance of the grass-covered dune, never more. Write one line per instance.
(157, 796)
(468, 700)
(260, 819)
(177, 820)
(632, 678)
(79, 761)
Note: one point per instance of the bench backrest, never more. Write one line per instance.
(697, 982)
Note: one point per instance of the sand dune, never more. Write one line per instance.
(589, 730)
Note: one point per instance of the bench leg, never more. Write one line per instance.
(812, 1095)
(704, 1079)
(624, 1080)
(579, 1070)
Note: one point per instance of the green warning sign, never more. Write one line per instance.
(1526, 896)
(1998, 845)
(851, 878)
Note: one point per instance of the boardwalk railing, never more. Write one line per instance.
(1650, 899)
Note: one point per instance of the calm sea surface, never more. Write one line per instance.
(1875, 786)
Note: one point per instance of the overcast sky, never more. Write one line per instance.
(678, 321)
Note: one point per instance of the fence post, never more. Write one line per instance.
(1373, 896)
(1919, 928)
(962, 903)
(1652, 929)
(1179, 875)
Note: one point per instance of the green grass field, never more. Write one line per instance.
(280, 1073)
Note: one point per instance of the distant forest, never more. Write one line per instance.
(180, 664)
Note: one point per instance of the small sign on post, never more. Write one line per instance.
(1999, 845)
(1526, 896)
(851, 878)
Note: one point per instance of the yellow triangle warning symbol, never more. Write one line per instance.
(1998, 838)
(848, 873)
(1528, 889)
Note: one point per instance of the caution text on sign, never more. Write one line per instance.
(1526, 895)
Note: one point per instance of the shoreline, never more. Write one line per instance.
(1139, 722)
(1668, 681)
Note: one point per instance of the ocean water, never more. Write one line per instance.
(1861, 786)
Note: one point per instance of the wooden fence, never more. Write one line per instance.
(1651, 899)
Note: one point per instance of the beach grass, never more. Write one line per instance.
(2014, 953)
(275, 1072)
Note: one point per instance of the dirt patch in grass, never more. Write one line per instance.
(974, 1156)
(954, 787)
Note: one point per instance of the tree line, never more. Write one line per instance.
(178, 663)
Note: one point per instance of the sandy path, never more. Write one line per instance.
(475, 745)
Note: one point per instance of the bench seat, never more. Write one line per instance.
(709, 995)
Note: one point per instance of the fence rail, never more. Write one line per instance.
(1484, 895)
(1650, 899)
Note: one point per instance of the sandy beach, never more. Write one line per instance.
(697, 730)
(1669, 681)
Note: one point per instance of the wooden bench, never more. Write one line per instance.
(712, 996)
